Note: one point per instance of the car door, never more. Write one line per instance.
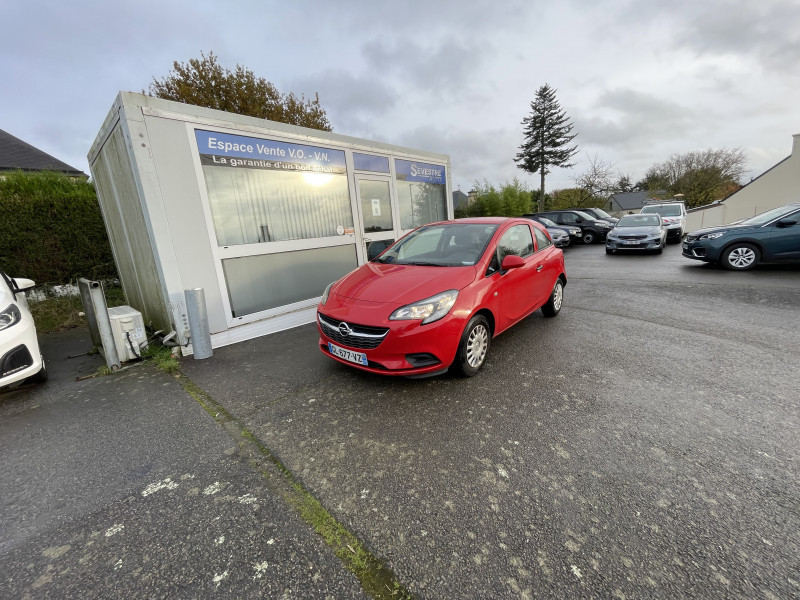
(517, 287)
(784, 239)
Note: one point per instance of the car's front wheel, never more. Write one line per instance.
(474, 347)
(740, 257)
(588, 237)
(553, 305)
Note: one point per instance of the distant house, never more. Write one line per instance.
(460, 200)
(627, 201)
(18, 155)
(775, 187)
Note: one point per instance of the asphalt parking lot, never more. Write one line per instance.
(644, 443)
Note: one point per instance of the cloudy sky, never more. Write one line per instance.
(640, 80)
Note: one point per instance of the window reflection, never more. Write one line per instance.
(249, 206)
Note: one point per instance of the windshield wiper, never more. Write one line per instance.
(422, 264)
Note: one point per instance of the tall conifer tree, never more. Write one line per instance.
(548, 133)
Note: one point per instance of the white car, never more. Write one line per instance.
(673, 215)
(20, 357)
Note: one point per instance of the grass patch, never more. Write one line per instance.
(59, 313)
(162, 357)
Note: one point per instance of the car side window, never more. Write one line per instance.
(517, 240)
(569, 218)
(542, 241)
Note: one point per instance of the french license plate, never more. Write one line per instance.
(631, 243)
(354, 357)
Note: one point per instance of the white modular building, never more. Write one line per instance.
(261, 215)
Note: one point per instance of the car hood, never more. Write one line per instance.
(635, 230)
(401, 284)
(731, 227)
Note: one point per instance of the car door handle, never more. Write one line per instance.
(539, 268)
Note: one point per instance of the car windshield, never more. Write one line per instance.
(601, 213)
(639, 221)
(447, 245)
(668, 210)
(770, 215)
(586, 216)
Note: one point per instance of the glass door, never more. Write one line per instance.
(377, 214)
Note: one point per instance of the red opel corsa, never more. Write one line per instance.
(436, 297)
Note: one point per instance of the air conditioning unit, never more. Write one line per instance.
(127, 327)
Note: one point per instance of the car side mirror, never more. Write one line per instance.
(786, 222)
(21, 284)
(512, 261)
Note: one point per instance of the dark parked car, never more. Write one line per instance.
(561, 236)
(599, 213)
(772, 236)
(592, 230)
(637, 232)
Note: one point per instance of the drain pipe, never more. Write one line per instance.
(198, 323)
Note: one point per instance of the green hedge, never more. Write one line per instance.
(51, 229)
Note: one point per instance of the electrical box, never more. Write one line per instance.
(127, 327)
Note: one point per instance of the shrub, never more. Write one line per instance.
(52, 229)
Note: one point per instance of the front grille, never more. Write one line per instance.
(17, 359)
(632, 237)
(364, 337)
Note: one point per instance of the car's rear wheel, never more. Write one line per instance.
(741, 257)
(588, 237)
(474, 347)
(553, 305)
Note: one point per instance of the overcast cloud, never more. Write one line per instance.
(639, 80)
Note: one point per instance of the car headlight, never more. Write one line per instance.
(428, 310)
(602, 224)
(326, 293)
(712, 236)
(10, 317)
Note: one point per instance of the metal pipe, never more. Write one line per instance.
(198, 323)
(100, 312)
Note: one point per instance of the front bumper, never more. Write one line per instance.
(20, 357)
(700, 251)
(407, 348)
(614, 244)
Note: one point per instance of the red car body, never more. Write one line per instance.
(362, 302)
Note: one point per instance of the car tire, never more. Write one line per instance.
(39, 377)
(660, 249)
(588, 237)
(553, 305)
(609, 251)
(473, 347)
(740, 257)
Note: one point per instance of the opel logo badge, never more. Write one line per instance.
(344, 329)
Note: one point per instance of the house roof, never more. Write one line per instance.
(629, 200)
(16, 154)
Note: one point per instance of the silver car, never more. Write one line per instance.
(637, 232)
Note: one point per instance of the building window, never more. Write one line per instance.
(370, 162)
(421, 193)
(251, 206)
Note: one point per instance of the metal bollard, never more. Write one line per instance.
(198, 323)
